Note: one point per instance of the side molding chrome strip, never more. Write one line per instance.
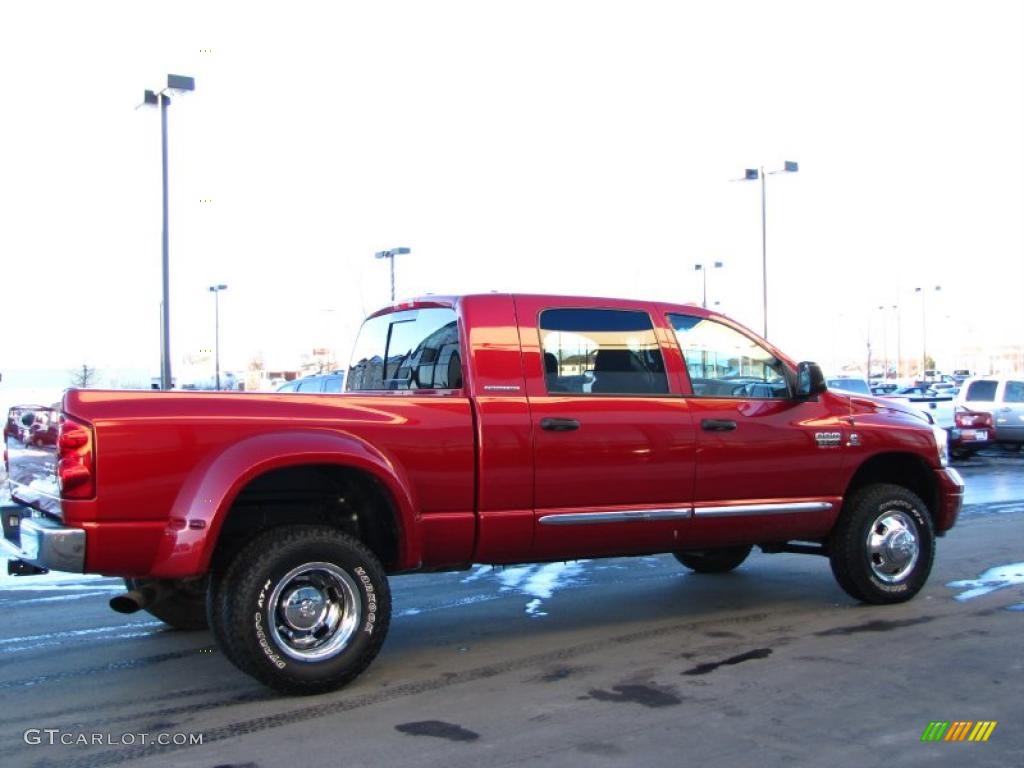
(591, 518)
(762, 509)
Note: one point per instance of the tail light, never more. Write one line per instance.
(76, 463)
(968, 419)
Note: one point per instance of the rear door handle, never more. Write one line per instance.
(717, 425)
(559, 425)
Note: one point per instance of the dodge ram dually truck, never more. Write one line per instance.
(476, 429)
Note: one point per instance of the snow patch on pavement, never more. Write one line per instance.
(999, 577)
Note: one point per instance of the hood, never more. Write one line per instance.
(862, 404)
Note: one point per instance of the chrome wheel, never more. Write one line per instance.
(893, 547)
(314, 611)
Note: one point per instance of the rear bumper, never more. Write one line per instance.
(33, 538)
(950, 498)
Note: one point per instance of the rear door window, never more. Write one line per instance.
(601, 352)
(1014, 392)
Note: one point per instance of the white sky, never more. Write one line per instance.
(565, 147)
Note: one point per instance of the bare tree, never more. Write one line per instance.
(82, 377)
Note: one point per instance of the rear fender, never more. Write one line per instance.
(206, 496)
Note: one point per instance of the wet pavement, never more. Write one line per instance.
(605, 662)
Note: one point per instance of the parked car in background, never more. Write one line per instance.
(914, 390)
(1003, 397)
(32, 424)
(972, 431)
(960, 375)
(849, 384)
(317, 383)
(43, 429)
(883, 389)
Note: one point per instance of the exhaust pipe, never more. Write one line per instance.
(137, 599)
(23, 568)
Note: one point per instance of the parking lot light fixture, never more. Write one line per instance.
(703, 269)
(924, 326)
(390, 256)
(759, 174)
(176, 84)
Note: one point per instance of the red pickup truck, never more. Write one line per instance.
(475, 429)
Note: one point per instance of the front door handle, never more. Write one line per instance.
(717, 425)
(559, 425)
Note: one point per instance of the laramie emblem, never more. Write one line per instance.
(828, 439)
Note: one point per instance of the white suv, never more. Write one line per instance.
(1003, 397)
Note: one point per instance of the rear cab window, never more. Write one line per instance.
(408, 350)
(722, 362)
(981, 391)
(601, 352)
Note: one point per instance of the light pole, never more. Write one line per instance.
(704, 273)
(899, 341)
(390, 256)
(885, 346)
(755, 174)
(924, 328)
(179, 84)
(215, 290)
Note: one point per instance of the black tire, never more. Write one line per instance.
(182, 604)
(719, 560)
(882, 547)
(304, 609)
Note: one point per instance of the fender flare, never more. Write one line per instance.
(207, 494)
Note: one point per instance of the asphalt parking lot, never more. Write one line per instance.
(611, 662)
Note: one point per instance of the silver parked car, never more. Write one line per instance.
(1003, 397)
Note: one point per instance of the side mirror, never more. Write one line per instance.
(810, 381)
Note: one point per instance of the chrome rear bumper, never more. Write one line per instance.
(41, 541)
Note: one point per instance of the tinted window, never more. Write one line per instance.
(724, 363)
(1014, 392)
(982, 391)
(601, 351)
(420, 347)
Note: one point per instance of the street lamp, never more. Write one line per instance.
(899, 340)
(885, 346)
(178, 84)
(704, 273)
(390, 256)
(215, 290)
(754, 174)
(924, 328)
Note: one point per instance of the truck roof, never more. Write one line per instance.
(450, 300)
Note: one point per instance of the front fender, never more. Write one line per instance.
(202, 504)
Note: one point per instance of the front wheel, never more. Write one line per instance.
(720, 560)
(303, 609)
(881, 549)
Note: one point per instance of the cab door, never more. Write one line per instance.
(768, 465)
(613, 444)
